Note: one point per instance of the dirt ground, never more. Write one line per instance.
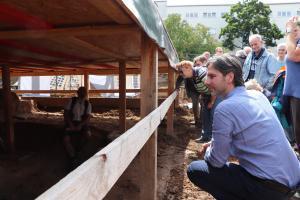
(40, 160)
(174, 154)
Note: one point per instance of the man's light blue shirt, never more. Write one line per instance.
(246, 126)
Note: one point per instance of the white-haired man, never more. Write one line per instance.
(260, 64)
(281, 53)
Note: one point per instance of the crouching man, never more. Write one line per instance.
(77, 116)
(244, 126)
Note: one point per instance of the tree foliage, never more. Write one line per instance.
(246, 18)
(189, 41)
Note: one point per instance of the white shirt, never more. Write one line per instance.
(78, 108)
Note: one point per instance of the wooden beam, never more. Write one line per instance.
(122, 96)
(170, 115)
(94, 178)
(67, 32)
(7, 106)
(111, 10)
(87, 81)
(100, 50)
(74, 91)
(54, 72)
(147, 159)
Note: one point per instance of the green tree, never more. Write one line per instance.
(246, 18)
(189, 41)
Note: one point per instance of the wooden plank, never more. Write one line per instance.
(111, 10)
(95, 177)
(67, 32)
(122, 96)
(87, 82)
(54, 72)
(74, 91)
(170, 115)
(146, 165)
(86, 45)
(56, 104)
(7, 99)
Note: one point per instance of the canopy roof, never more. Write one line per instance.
(42, 37)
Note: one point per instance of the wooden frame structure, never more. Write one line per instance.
(61, 37)
(94, 178)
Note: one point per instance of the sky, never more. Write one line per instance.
(210, 2)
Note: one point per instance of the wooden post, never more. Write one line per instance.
(171, 87)
(149, 95)
(147, 158)
(142, 171)
(8, 121)
(177, 98)
(87, 82)
(122, 96)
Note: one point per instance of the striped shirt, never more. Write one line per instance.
(199, 77)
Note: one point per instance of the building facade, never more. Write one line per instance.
(209, 13)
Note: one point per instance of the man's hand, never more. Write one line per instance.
(202, 151)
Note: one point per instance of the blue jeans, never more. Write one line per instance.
(208, 116)
(196, 110)
(231, 182)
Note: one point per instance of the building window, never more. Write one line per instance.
(298, 12)
(195, 14)
(187, 14)
(222, 14)
(288, 13)
(204, 14)
(213, 14)
(136, 81)
(279, 14)
(283, 14)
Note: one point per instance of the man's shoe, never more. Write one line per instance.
(202, 139)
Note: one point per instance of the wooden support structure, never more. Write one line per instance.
(147, 159)
(53, 71)
(122, 95)
(74, 91)
(8, 121)
(170, 115)
(87, 82)
(67, 32)
(95, 177)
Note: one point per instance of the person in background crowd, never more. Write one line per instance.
(206, 54)
(281, 53)
(292, 81)
(200, 61)
(268, 167)
(241, 54)
(259, 65)
(197, 74)
(280, 104)
(247, 50)
(192, 93)
(77, 116)
(218, 51)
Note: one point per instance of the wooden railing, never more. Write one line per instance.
(95, 177)
(74, 91)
